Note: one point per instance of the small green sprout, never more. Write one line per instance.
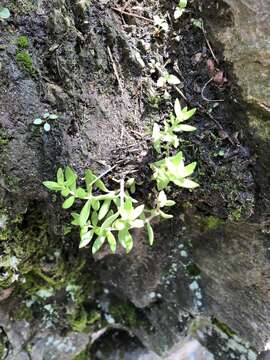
(161, 24)
(197, 23)
(171, 127)
(4, 13)
(180, 9)
(45, 121)
(173, 169)
(167, 78)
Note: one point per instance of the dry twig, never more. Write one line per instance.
(132, 14)
(115, 69)
(209, 45)
(180, 92)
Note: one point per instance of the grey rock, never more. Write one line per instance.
(247, 46)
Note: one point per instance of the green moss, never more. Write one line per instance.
(3, 344)
(2, 350)
(4, 139)
(235, 215)
(223, 327)
(22, 312)
(24, 59)
(211, 223)
(23, 42)
(81, 321)
(193, 270)
(124, 313)
(28, 253)
(82, 356)
(20, 248)
(12, 182)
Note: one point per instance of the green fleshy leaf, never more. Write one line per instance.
(128, 242)
(95, 204)
(150, 233)
(104, 209)
(38, 121)
(68, 202)
(177, 109)
(111, 241)
(182, 4)
(53, 117)
(186, 128)
(76, 219)
(86, 238)
(51, 185)
(65, 192)
(164, 215)
(138, 223)
(101, 186)
(162, 199)
(173, 80)
(188, 114)
(108, 222)
(70, 174)
(85, 213)
(47, 127)
(133, 188)
(94, 218)
(189, 169)
(188, 184)
(119, 225)
(60, 176)
(81, 193)
(121, 237)
(170, 203)
(136, 212)
(98, 243)
(89, 177)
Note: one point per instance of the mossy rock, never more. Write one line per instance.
(23, 6)
(24, 59)
(82, 356)
(211, 223)
(23, 42)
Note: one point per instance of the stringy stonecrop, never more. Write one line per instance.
(110, 215)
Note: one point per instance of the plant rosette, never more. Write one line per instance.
(45, 121)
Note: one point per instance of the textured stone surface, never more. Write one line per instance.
(243, 28)
(247, 46)
(81, 86)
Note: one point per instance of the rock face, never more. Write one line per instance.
(247, 47)
(93, 67)
(242, 26)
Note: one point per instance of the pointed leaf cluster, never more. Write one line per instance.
(180, 9)
(173, 169)
(45, 121)
(169, 79)
(168, 136)
(102, 214)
